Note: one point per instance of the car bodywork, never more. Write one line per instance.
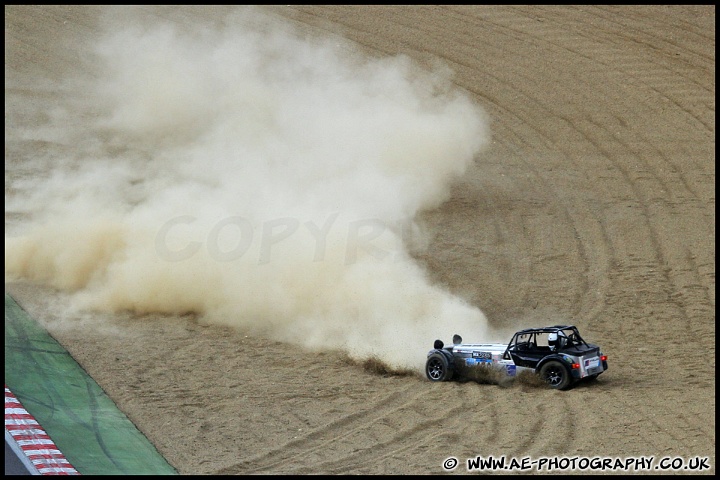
(557, 353)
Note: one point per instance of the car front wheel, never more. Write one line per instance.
(438, 368)
(556, 375)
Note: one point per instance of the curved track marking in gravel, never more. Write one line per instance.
(445, 422)
(321, 438)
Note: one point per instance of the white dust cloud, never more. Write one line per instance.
(258, 179)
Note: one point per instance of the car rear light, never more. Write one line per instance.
(575, 365)
(603, 358)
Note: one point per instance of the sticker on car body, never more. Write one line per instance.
(483, 355)
(476, 361)
(592, 362)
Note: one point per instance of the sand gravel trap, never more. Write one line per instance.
(249, 225)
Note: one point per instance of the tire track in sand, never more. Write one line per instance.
(322, 437)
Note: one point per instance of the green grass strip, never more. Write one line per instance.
(84, 423)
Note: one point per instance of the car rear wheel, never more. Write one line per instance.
(556, 375)
(438, 368)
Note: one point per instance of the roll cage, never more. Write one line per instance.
(535, 341)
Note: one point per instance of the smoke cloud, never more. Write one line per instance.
(256, 178)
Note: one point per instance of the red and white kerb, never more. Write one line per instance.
(33, 440)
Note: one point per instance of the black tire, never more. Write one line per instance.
(438, 368)
(556, 375)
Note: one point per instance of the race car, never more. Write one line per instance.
(558, 354)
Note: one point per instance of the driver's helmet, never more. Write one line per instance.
(555, 338)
